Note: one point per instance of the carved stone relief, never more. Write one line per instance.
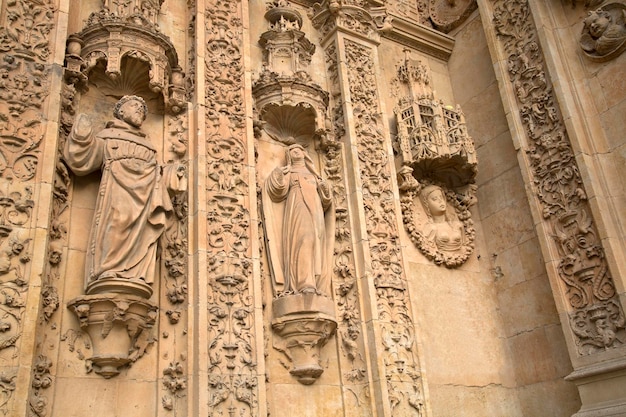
(402, 370)
(24, 87)
(604, 32)
(449, 14)
(132, 210)
(298, 216)
(596, 318)
(439, 167)
(232, 357)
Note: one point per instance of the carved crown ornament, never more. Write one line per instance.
(439, 167)
(123, 31)
(603, 34)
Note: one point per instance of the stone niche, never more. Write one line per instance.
(296, 202)
(124, 89)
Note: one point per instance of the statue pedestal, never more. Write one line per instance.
(120, 285)
(118, 325)
(304, 323)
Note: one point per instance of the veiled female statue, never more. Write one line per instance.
(133, 200)
(299, 224)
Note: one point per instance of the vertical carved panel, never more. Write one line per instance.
(595, 315)
(25, 34)
(349, 317)
(231, 347)
(401, 365)
(25, 55)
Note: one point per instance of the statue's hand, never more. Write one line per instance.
(82, 126)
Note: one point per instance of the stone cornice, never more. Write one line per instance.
(418, 37)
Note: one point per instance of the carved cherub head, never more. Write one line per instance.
(596, 22)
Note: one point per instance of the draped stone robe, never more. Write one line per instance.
(132, 204)
(301, 248)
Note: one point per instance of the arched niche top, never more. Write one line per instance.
(109, 39)
(291, 124)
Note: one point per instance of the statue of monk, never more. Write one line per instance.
(134, 198)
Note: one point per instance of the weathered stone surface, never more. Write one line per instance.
(446, 181)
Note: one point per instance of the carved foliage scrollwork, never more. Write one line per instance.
(344, 279)
(24, 86)
(175, 237)
(399, 356)
(596, 317)
(232, 357)
(42, 380)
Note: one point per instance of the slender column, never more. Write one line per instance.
(565, 191)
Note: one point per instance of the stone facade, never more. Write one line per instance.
(302, 208)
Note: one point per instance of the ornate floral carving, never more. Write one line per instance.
(232, 357)
(175, 382)
(41, 380)
(595, 315)
(399, 356)
(7, 388)
(604, 32)
(175, 237)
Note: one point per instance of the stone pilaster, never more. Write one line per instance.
(32, 42)
(228, 298)
(350, 41)
(571, 213)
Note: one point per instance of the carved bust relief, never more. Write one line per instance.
(440, 224)
(604, 32)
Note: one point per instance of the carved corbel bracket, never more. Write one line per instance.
(357, 18)
(304, 323)
(118, 326)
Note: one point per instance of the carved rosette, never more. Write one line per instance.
(603, 34)
(232, 386)
(449, 14)
(119, 326)
(401, 364)
(596, 317)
